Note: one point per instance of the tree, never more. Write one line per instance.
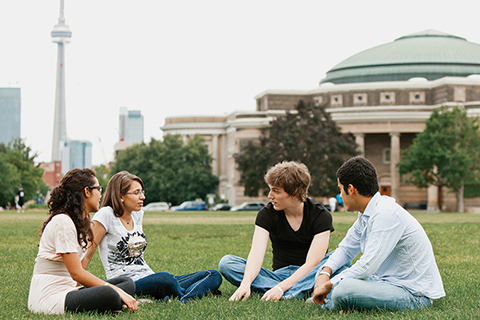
(446, 153)
(17, 167)
(306, 134)
(171, 170)
(101, 172)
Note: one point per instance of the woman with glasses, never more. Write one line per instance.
(59, 281)
(118, 233)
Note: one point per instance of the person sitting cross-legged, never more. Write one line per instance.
(299, 229)
(397, 269)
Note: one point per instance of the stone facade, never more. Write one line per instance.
(383, 116)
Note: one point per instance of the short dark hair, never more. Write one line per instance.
(360, 173)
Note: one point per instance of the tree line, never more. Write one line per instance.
(172, 171)
(445, 154)
(17, 167)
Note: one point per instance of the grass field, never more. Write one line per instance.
(187, 242)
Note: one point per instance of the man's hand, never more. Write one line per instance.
(273, 294)
(321, 291)
(242, 293)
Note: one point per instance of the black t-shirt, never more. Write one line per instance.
(290, 247)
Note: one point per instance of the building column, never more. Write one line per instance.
(432, 204)
(394, 159)
(215, 155)
(360, 141)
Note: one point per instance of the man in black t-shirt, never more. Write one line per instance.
(299, 229)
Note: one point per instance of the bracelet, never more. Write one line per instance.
(106, 284)
(279, 289)
(325, 272)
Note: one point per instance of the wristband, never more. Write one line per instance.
(325, 272)
(279, 289)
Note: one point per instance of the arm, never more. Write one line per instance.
(383, 233)
(346, 251)
(79, 274)
(382, 238)
(254, 263)
(323, 286)
(315, 254)
(98, 233)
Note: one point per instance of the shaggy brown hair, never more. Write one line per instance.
(292, 176)
(118, 186)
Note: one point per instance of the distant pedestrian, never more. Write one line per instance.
(332, 202)
(339, 202)
(21, 204)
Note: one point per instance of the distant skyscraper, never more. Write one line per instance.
(61, 34)
(10, 108)
(75, 154)
(130, 125)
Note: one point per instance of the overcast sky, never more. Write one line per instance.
(169, 58)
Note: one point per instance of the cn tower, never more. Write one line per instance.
(61, 35)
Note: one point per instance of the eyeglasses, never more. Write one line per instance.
(137, 193)
(100, 188)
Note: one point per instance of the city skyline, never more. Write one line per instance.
(10, 107)
(168, 59)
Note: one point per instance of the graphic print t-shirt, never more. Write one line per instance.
(121, 251)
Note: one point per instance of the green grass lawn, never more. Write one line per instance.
(190, 241)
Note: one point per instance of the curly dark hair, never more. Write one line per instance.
(68, 197)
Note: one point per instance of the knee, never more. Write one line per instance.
(223, 265)
(343, 291)
(166, 279)
(109, 294)
(128, 285)
(216, 278)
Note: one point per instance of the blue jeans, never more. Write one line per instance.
(233, 269)
(371, 294)
(195, 285)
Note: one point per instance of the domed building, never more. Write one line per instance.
(382, 96)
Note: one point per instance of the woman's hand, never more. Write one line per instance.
(128, 300)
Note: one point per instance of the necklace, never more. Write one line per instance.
(128, 222)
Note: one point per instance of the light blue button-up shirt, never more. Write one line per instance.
(395, 248)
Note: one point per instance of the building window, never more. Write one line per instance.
(360, 99)
(386, 155)
(459, 94)
(417, 97)
(387, 98)
(318, 101)
(336, 100)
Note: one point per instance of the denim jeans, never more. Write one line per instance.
(233, 269)
(195, 285)
(371, 294)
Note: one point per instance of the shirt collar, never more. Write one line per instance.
(369, 210)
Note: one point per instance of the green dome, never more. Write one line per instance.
(429, 54)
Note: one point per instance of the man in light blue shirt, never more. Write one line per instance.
(397, 269)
